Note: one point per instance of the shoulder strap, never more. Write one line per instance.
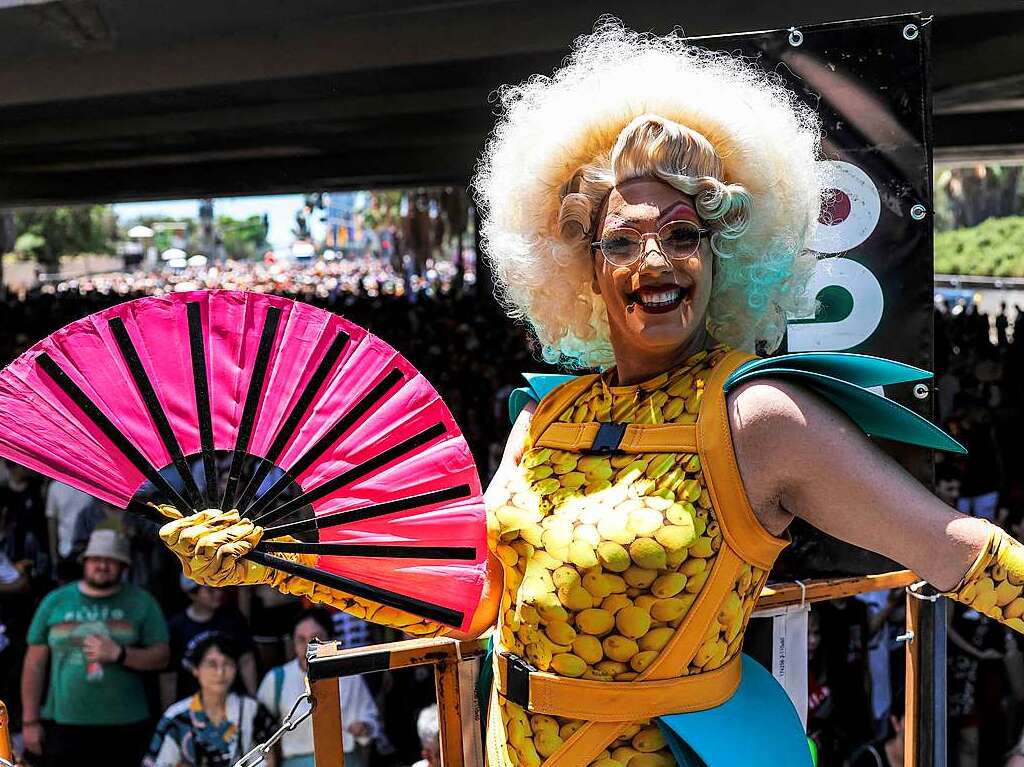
(538, 386)
(740, 526)
(278, 686)
(557, 400)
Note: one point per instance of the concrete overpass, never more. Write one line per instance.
(132, 99)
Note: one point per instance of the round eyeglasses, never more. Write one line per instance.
(677, 240)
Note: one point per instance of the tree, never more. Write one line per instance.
(969, 195)
(384, 217)
(8, 232)
(7, 240)
(993, 248)
(168, 232)
(243, 239)
(49, 233)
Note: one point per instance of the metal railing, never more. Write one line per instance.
(456, 664)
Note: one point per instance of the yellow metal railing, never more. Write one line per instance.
(328, 661)
(6, 753)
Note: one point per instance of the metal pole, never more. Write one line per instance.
(925, 718)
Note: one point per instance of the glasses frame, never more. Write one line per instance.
(641, 251)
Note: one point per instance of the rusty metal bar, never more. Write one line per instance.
(912, 712)
(328, 746)
(330, 659)
(5, 734)
(449, 712)
(925, 683)
(824, 589)
(925, 716)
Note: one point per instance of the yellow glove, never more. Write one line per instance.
(994, 583)
(211, 544)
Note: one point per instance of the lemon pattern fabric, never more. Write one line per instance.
(604, 557)
(994, 585)
(209, 545)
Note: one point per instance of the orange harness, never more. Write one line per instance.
(609, 707)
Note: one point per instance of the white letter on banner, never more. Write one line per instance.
(853, 329)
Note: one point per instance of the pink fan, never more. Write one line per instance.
(306, 423)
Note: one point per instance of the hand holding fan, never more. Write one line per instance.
(345, 467)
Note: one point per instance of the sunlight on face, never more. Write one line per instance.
(657, 304)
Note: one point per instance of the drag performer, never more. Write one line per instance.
(647, 210)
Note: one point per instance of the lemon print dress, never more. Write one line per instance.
(632, 561)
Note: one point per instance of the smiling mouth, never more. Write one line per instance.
(658, 299)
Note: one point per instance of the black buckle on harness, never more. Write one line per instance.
(517, 679)
(609, 437)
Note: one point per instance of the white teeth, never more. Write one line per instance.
(661, 298)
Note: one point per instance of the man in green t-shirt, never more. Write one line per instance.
(96, 635)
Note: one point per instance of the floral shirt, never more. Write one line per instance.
(185, 736)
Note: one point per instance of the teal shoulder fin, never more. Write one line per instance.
(843, 380)
(858, 369)
(537, 387)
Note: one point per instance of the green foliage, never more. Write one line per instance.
(993, 248)
(240, 239)
(29, 244)
(967, 195)
(243, 239)
(49, 233)
(164, 228)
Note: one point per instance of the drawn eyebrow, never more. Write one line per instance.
(616, 219)
(666, 216)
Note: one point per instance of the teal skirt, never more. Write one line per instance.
(757, 725)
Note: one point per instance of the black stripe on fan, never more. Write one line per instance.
(295, 416)
(252, 399)
(337, 518)
(319, 447)
(412, 605)
(390, 550)
(111, 432)
(356, 472)
(147, 513)
(201, 385)
(155, 409)
(415, 606)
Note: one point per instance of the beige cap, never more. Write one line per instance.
(108, 543)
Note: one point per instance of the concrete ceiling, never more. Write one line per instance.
(134, 99)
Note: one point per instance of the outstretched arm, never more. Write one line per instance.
(801, 457)
(211, 545)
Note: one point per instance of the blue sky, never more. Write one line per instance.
(280, 209)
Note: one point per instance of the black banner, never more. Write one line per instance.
(869, 82)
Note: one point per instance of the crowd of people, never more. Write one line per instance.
(97, 645)
(103, 638)
(856, 664)
(223, 665)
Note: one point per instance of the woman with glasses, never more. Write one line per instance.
(216, 726)
(646, 212)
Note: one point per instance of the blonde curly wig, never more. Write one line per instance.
(627, 105)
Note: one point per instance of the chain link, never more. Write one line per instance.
(290, 722)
